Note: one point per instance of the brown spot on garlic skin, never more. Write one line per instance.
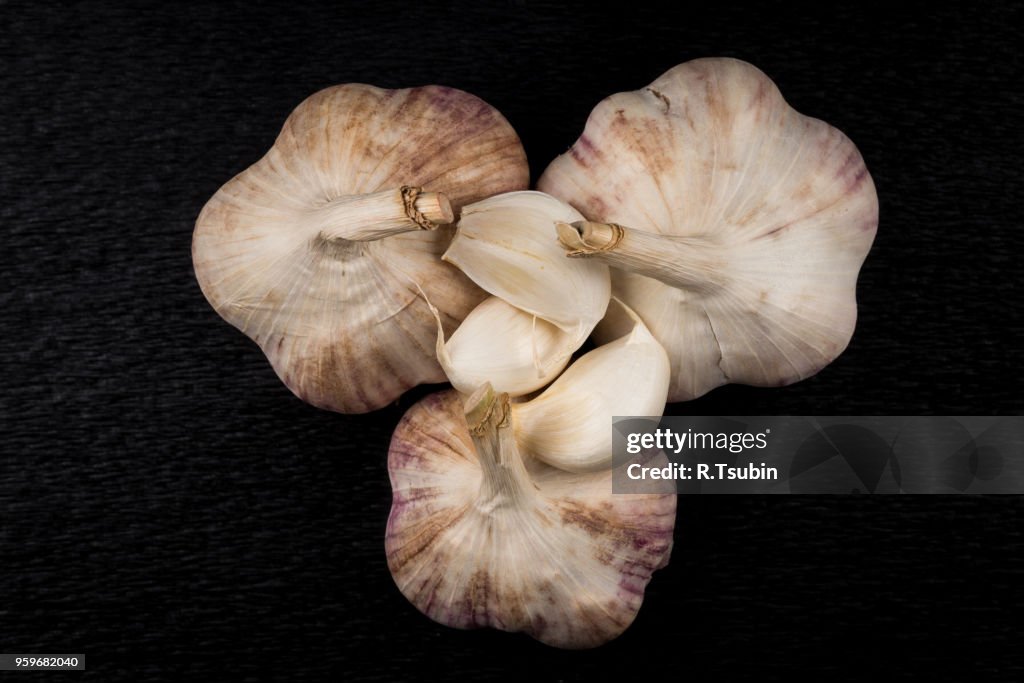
(765, 91)
(614, 532)
(546, 589)
(578, 515)
(775, 232)
(427, 530)
(337, 249)
(643, 139)
(661, 96)
(478, 593)
(598, 205)
(802, 193)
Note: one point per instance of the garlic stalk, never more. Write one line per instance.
(478, 536)
(569, 425)
(551, 304)
(735, 226)
(319, 251)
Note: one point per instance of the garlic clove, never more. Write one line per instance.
(480, 537)
(737, 226)
(515, 351)
(544, 308)
(676, 318)
(504, 244)
(319, 250)
(569, 425)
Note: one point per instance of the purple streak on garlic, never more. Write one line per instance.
(735, 225)
(480, 536)
(319, 251)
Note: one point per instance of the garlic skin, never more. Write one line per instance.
(735, 225)
(319, 251)
(569, 425)
(478, 536)
(552, 304)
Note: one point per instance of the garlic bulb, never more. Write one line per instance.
(569, 425)
(480, 537)
(545, 305)
(319, 251)
(747, 223)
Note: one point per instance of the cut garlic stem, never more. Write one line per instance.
(686, 262)
(370, 217)
(505, 479)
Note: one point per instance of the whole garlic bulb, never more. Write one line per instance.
(480, 537)
(319, 251)
(747, 223)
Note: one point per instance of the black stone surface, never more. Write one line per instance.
(169, 509)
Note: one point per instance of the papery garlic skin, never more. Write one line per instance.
(552, 304)
(569, 425)
(736, 226)
(480, 537)
(320, 250)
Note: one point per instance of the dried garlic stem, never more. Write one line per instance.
(687, 262)
(505, 479)
(369, 217)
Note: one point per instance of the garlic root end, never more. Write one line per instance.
(479, 406)
(427, 209)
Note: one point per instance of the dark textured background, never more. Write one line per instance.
(169, 509)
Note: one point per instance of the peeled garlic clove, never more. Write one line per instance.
(515, 351)
(737, 226)
(319, 250)
(569, 425)
(480, 537)
(504, 244)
